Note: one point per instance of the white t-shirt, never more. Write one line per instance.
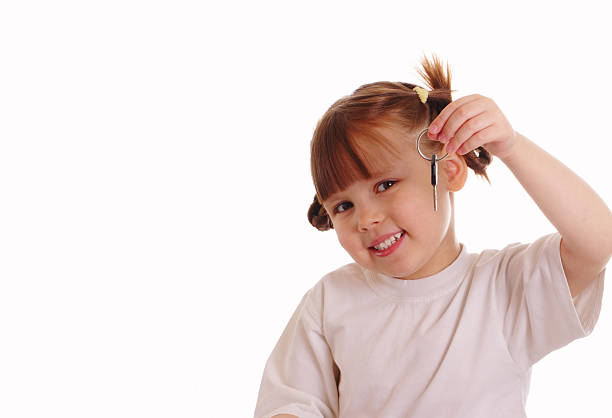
(459, 343)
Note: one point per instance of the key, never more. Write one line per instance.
(434, 179)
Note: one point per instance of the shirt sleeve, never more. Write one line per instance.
(300, 376)
(537, 310)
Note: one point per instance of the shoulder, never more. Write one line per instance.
(334, 285)
(346, 273)
(346, 270)
(509, 269)
(519, 252)
(340, 277)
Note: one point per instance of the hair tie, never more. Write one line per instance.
(422, 93)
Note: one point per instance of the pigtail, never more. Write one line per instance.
(478, 160)
(318, 217)
(439, 97)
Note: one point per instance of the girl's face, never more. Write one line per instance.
(398, 203)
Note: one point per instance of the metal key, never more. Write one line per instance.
(434, 179)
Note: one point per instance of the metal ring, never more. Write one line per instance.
(419, 149)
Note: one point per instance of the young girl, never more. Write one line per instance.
(419, 326)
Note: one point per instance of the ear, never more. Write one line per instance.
(455, 170)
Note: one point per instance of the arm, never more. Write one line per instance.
(578, 213)
(581, 217)
(300, 378)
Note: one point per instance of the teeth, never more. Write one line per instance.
(388, 242)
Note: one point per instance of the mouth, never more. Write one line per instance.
(389, 246)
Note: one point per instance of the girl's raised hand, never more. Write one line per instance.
(473, 121)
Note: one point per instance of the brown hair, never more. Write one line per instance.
(338, 159)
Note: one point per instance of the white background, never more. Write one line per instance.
(154, 183)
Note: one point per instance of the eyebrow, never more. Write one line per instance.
(385, 171)
(379, 174)
(333, 202)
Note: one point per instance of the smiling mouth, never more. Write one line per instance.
(389, 244)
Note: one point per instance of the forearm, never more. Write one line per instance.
(569, 203)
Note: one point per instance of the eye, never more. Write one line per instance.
(384, 185)
(339, 208)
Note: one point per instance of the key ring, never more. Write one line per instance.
(419, 149)
(434, 168)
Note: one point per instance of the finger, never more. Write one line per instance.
(471, 126)
(479, 139)
(438, 123)
(458, 118)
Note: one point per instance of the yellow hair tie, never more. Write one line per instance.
(422, 93)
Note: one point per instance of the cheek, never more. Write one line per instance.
(410, 204)
(414, 212)
(408, 216)
(345, 240)
(351, 243)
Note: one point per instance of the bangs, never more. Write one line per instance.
(341, 157)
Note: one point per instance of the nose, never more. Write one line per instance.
(368, 217)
